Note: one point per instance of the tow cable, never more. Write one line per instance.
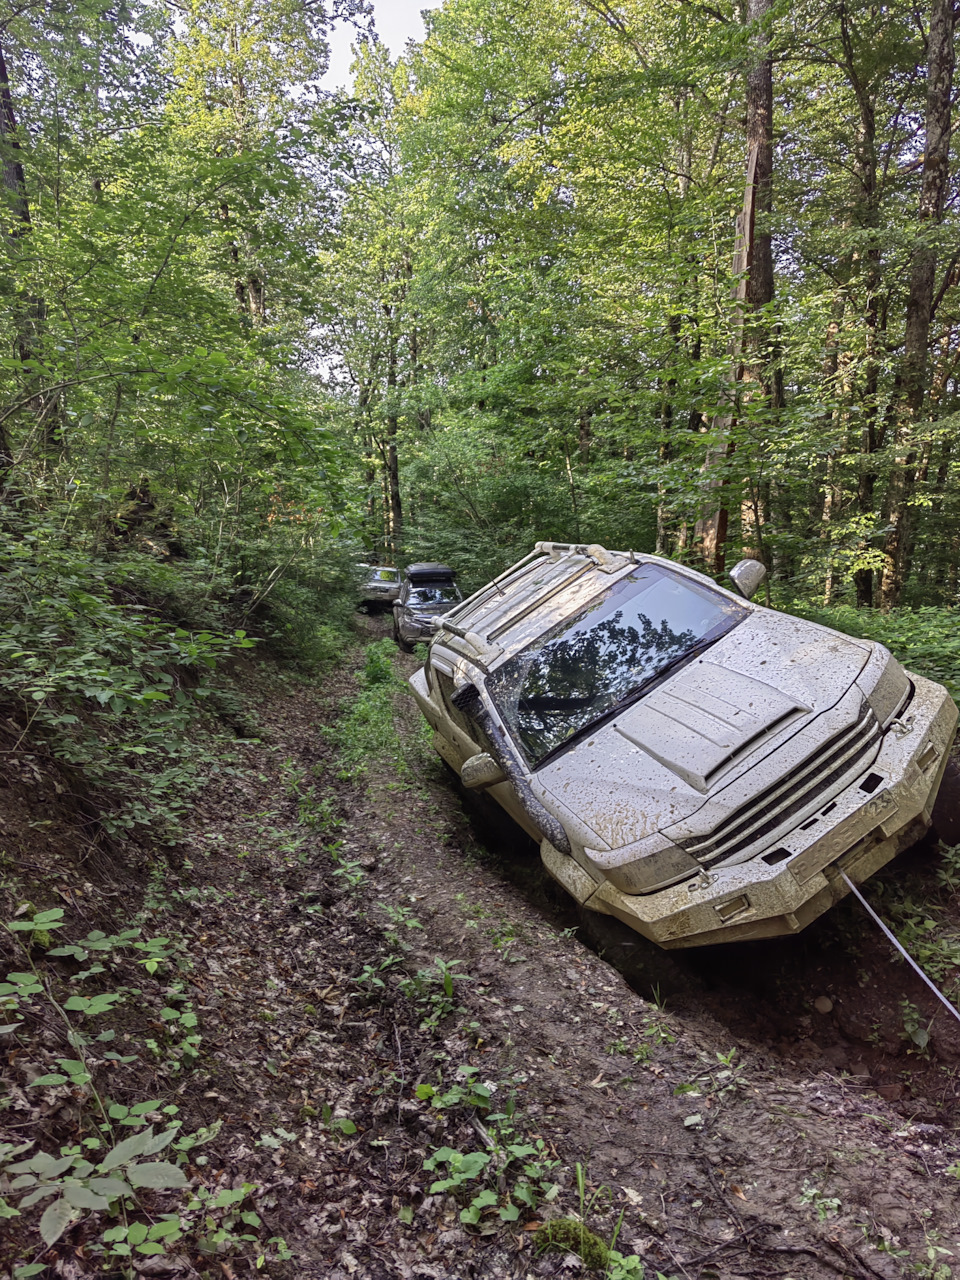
(896, 942)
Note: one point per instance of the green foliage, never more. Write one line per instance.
(568, 1235)
(915, 1029)
(105, 1173)
(508, 1179)
(80, 1185)
(366, 730)
(432, 990)
(824, 1206)
(105, 690)
(523, 1168)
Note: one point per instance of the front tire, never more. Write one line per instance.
(946, 808)
(399, 640)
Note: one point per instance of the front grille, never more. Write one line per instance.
(843, 757)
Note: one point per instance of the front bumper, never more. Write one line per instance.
(385, 596)
(413, 631)
(868, 824)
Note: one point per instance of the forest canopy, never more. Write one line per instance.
(678, 278)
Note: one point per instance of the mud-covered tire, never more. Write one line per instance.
(946, 807)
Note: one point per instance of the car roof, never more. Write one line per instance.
(509, 612)
(430, 571)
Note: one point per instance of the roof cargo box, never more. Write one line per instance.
(429, 572)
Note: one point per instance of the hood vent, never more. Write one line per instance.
(700, 721)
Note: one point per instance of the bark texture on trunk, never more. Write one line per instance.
(753, 268)
(933, 191)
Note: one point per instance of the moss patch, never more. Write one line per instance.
(567, 1235)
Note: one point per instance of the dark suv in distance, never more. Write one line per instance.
(428, 591)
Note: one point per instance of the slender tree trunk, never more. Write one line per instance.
(936, 157)
(393, 461)
(753, 267)
(17, 226)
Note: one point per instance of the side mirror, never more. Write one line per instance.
(747, 576)
(481, 771)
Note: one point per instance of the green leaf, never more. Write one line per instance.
(162, 1230)
(150, 1247)
(160, 1141)
(43, 1081)
(137, 1232)
(55, 1220)
(157, 1176)
(41, 1193)
(31, 1269)
(126, 1150)
(42, 1162)
(81, 1197)
(111, 1187)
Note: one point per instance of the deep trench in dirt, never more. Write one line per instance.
(835, 996)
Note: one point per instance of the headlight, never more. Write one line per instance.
(650, 864)
(885, 684)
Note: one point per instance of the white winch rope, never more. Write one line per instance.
(906, 955)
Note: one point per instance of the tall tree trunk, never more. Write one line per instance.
(393, 462)
(933, 190)
(29, 311)
(17, 226)
(753, 267)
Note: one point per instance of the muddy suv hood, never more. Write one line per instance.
(705, 731)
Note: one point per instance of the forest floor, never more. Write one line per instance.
(379, 973)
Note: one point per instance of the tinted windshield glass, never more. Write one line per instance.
(384, 575)
(446, 593)
(588, 664)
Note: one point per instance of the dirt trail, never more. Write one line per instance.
(726, 1128)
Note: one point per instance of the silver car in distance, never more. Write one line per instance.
(696, 765)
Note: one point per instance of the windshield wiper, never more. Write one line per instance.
(631, 696)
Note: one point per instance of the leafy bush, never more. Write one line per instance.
(100, 684)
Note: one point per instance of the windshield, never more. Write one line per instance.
(589, 664)
(384, 575)
(446, 593)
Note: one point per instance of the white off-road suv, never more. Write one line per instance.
(698, 766)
